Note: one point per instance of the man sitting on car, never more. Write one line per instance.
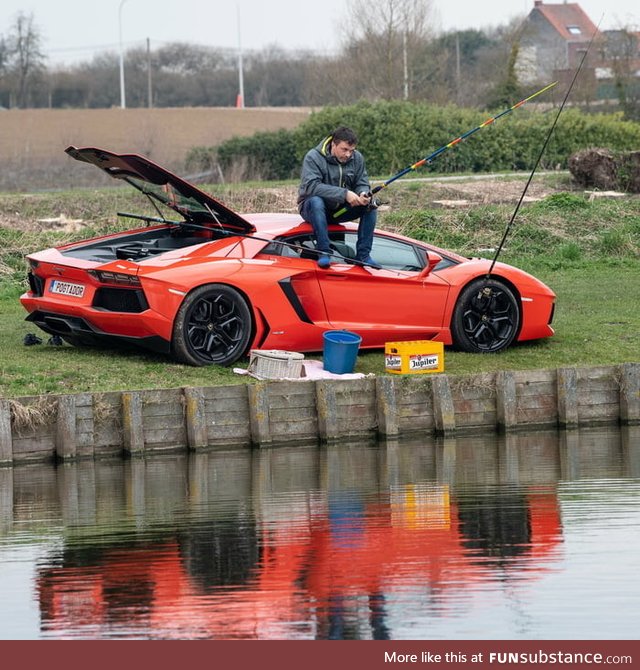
(334, 179)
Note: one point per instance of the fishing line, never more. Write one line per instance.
(427, 160)
(542, 150)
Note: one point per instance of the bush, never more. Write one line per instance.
(201, 159)
(562, 202)
(570, 251)
(263, 156)
(396, 134)
(614, 242)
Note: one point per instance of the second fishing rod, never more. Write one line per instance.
(432, 156)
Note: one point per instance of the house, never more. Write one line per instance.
(554, 39)
(621, 54)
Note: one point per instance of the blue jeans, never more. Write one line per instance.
(314, 210)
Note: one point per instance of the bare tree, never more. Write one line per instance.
(383, 40)
(25, 58)
(621, 51)
(4, 57)
(327, 83)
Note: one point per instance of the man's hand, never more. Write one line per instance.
(354, 199)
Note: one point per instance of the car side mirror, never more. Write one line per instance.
(432, 260)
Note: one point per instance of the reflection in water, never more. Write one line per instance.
(452, 538)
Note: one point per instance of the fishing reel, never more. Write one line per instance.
(374, 203)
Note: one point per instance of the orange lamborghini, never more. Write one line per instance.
(205, 284)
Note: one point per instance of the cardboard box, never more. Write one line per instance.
(414, 357)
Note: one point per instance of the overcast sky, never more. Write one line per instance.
(76, 29)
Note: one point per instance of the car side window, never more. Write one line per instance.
(305, 247)
(298, 247)
(391, 254)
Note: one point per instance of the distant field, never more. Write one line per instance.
(32, 141)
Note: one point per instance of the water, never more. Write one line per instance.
(531, 536)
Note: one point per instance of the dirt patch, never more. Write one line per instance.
(15, 223)
(494, 191)
(20, 213)
(27, 225)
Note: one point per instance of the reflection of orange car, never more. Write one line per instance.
(212, 284)
(307, 576)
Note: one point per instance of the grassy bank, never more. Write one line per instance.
(587, 251)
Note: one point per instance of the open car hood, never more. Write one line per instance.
(161, 185)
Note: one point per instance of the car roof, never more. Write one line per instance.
(276, 224)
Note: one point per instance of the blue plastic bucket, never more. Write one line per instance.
(340, 351)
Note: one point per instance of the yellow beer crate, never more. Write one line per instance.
(416, 357)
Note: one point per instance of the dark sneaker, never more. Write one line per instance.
(30, 339)
(369, 262)
(324, 261)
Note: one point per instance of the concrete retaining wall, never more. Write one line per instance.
(130, 423)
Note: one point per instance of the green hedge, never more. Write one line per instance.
(396, 134)
(267, 155)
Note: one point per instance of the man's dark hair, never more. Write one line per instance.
(344, 134)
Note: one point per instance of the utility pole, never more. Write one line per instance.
(123, 103)
(458, 87)
(149, 88)
(240, 99)
(405, 65)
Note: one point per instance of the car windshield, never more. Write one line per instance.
(163, 186)
(171, 196)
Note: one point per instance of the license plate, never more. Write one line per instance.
(66, 288)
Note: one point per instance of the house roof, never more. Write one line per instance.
(568, 19)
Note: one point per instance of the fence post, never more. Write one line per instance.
(195, 418)
(66, 438)
(567, 383)
(506, 400)
(6, 439)
(259, 414)
(630, 393)
(443, 409)
(387, 406)
(132, 428)
(327, 407)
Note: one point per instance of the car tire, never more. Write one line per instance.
(486, 318)
(213, 326)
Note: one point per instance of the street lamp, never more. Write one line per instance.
(240, 98)
(122, 96)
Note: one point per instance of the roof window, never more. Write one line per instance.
(574, 30)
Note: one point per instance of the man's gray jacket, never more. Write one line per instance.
(323, 175)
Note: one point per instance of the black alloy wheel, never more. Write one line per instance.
(213, 326)
(486, 318)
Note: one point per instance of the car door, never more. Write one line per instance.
(397, 301)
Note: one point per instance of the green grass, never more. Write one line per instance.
(45, 368)
(597, 322)
(587, 252)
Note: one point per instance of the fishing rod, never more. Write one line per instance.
(427, 160)
(542, 150)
